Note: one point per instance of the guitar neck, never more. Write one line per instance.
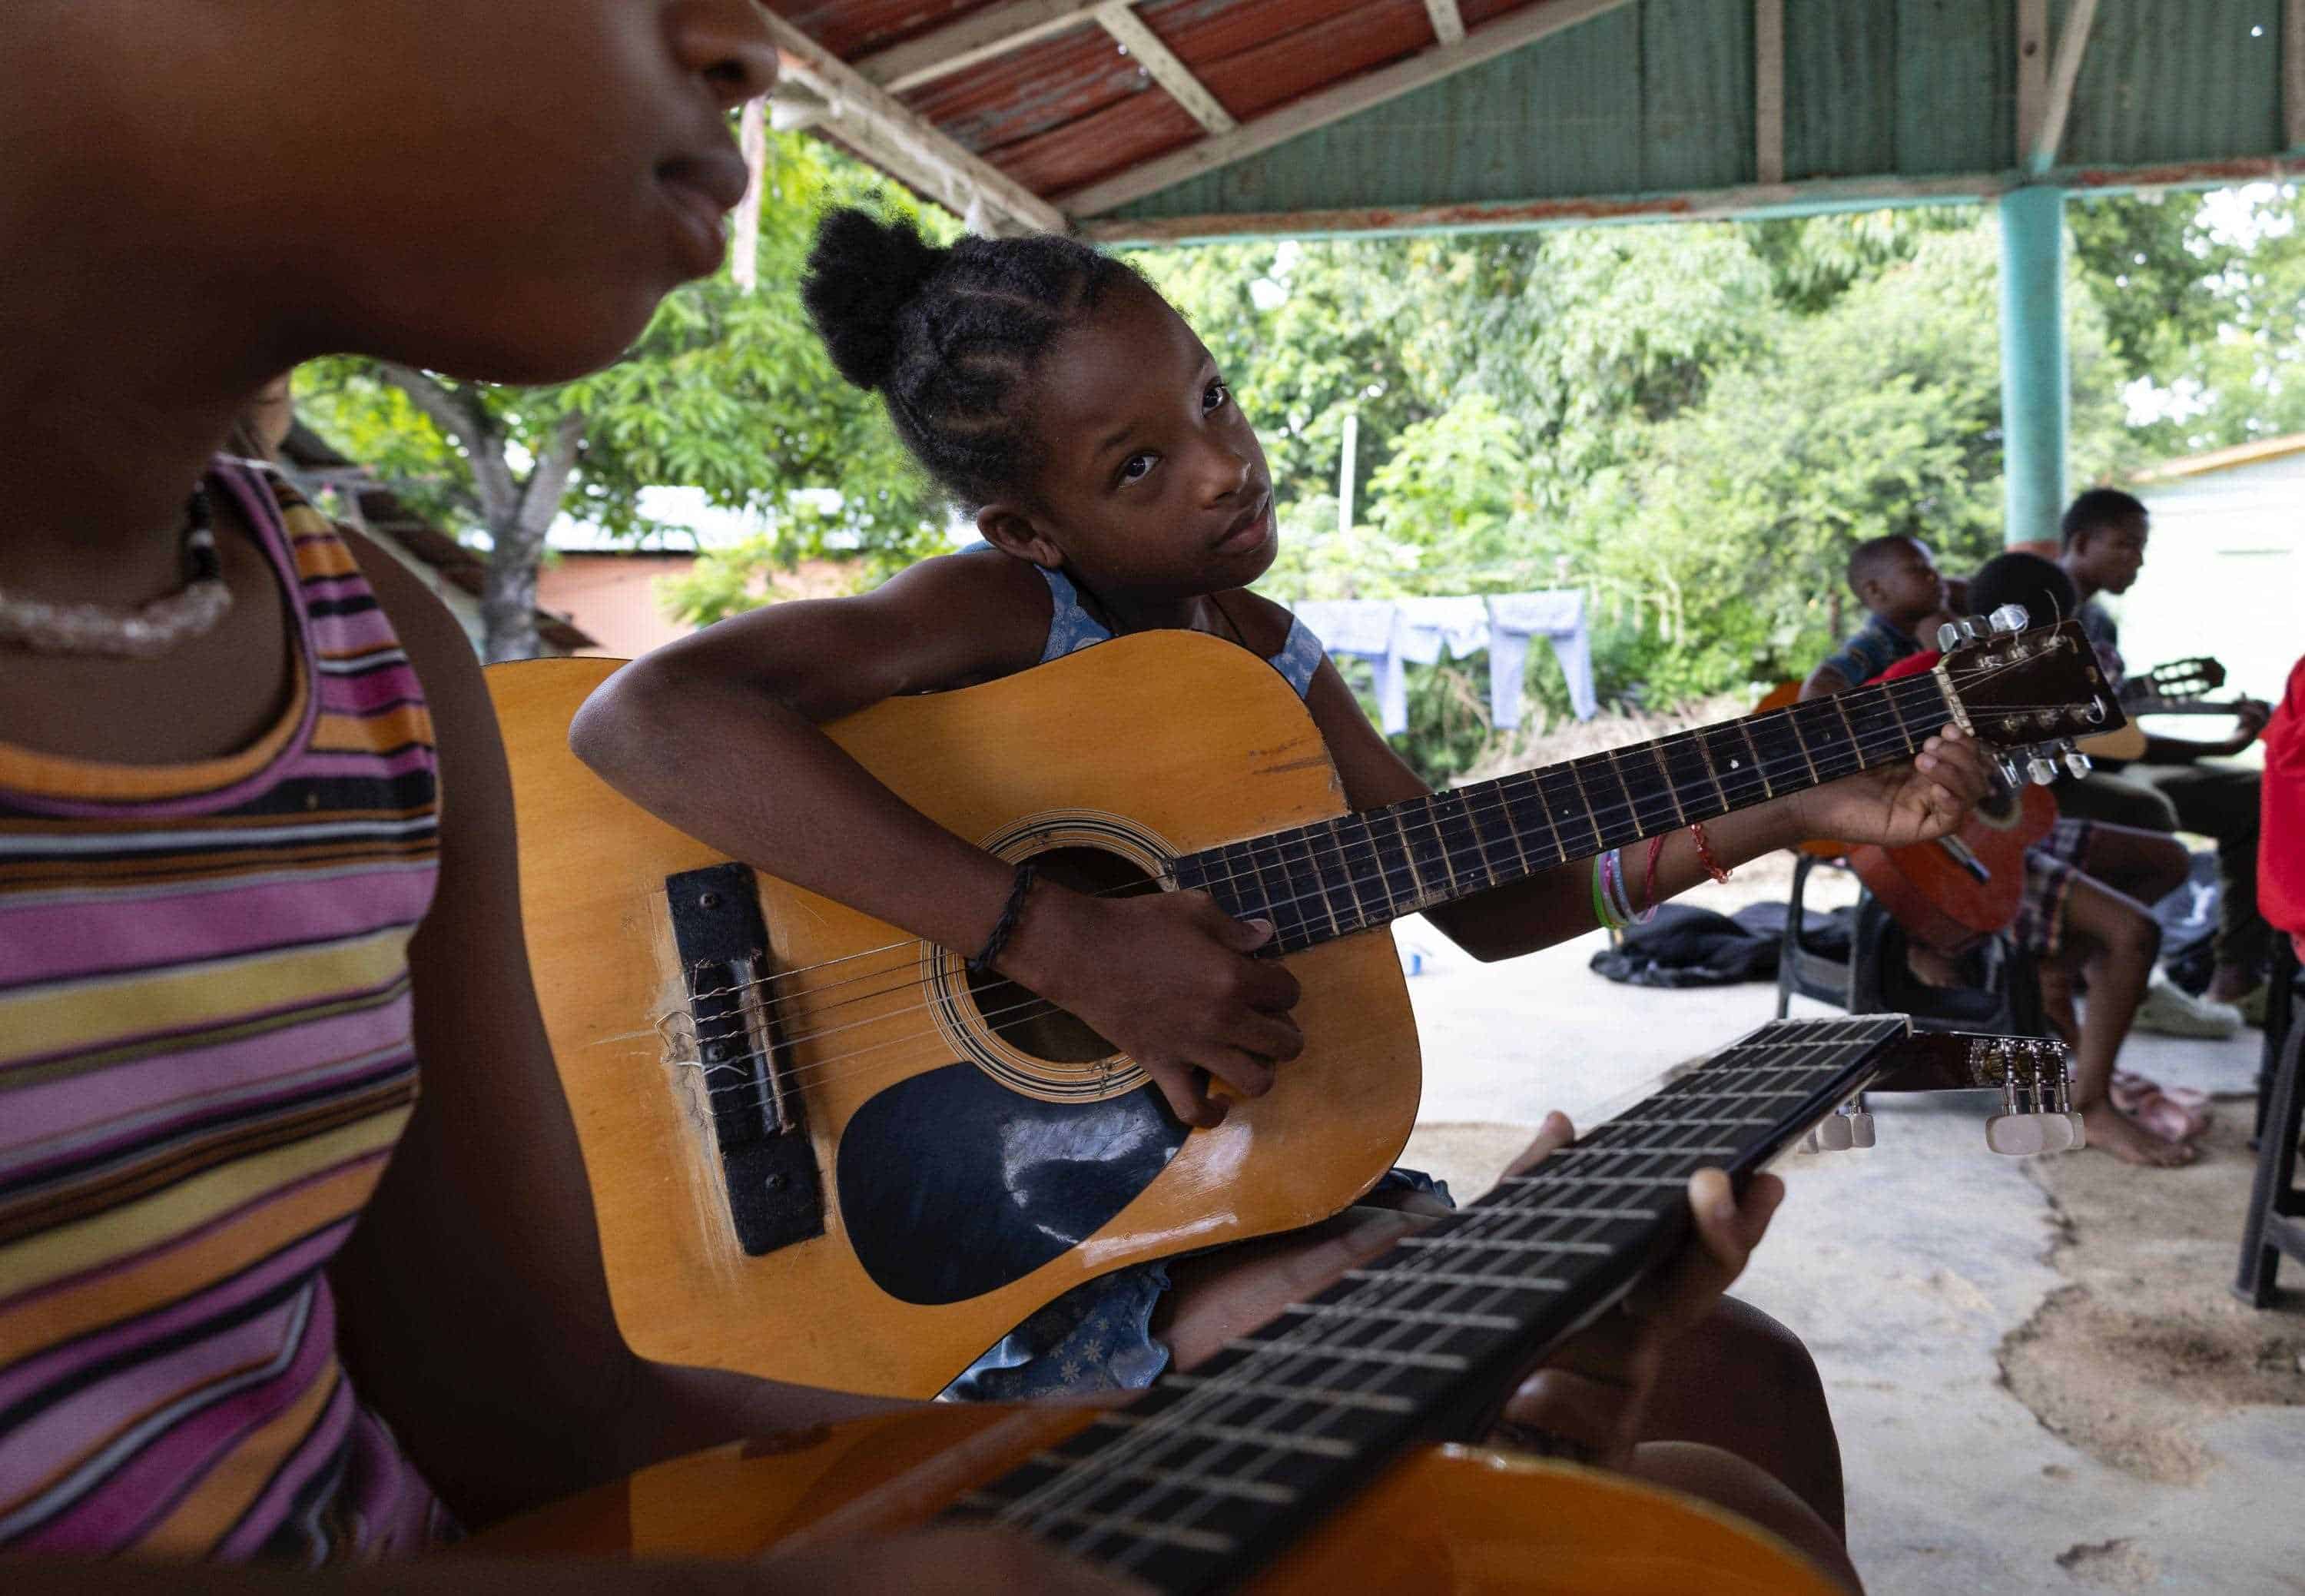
(1210, 1474)
(1365, 869)
(2150, 705)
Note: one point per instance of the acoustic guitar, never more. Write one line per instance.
(1953, 893)
(822, 1150)
(2179, 688)
(1310, 1456)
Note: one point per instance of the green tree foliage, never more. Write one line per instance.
(1693, 424)
(729, 391)
(2205, 302)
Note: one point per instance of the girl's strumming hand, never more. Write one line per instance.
(1167, 978)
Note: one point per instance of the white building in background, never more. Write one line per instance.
(2224, 574)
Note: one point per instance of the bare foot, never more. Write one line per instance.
(2114, 1132)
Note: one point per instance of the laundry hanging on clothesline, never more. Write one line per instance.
(1394, 634)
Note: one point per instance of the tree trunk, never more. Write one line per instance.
(508, 597)
(516, 512)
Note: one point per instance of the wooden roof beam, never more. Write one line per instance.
(980, 36)
(1448, 22)
(1802, 197)
(2032, 74)
(1769, 90)
(924, 157)
(1508, 33)
(1160, 62)
(2049, 137)
(2293, 71)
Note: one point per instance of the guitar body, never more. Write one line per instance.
(1444, 1519)
(967, 1178)
(1939, 902)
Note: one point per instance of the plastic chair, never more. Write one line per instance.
(1875, 979)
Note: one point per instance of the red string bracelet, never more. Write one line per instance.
(1705, 852)
(1648, 877)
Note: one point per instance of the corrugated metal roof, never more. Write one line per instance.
(1619, 103)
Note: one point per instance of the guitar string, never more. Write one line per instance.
(1536, 1185)
(1672, 738)
(845, 1061)
(1681, 1092)
(1259, 848)
(1302, 1349)
(1386, 1338)
(1272, 1369)
(1353, 855)
(736, 1029)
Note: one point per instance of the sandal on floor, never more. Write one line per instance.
(2173, 1113)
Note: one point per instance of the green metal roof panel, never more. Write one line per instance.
(1697, 94)
(2190, 81)
(1956, 100)
(1841, 89)
(1656, 97)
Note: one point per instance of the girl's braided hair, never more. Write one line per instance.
(949, 335)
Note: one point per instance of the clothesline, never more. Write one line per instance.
(1393, 634)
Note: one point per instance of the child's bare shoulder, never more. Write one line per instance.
(1263, 623)
(944, 622)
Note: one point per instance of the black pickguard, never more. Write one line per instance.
(952, 1186)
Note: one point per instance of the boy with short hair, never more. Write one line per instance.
(1894, 579)
(2105, 534)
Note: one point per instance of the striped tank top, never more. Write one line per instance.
(205, 1060)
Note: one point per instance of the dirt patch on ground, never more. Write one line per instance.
(2147, 1347)
(2118, 1565)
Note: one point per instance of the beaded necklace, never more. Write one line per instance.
(144, 633)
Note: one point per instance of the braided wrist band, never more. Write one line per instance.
(1005, 925)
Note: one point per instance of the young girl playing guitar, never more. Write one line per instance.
(1119, 488)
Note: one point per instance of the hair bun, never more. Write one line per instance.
(861, 272)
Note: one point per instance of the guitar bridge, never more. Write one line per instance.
(760, 1118)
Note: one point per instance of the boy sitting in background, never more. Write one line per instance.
(1896, 580)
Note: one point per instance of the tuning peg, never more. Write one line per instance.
(2022, 1135)
(1808, 1144)
(1949, 638)
(1860, 1120)
(1832, 1134)
(2009, 618)
(2077, 761)
(2012, 777)
(2042, 769)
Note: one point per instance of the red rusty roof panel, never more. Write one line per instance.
(1303, 46)
(1118, 137)
(853, 28)
(1031, 91)
(1073, 108)
(1477, 12)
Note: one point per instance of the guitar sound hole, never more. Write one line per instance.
(1028, 1023)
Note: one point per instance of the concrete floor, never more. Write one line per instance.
(1908, 1269)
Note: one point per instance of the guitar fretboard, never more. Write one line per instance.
(1210, 1473)
(1334, 877)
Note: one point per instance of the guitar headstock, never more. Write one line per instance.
(2015, 688)
(2032, 1075)
(2178, 680)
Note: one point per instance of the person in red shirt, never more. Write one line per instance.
(2281, 839)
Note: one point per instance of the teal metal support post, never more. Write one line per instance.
(2033, 386)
